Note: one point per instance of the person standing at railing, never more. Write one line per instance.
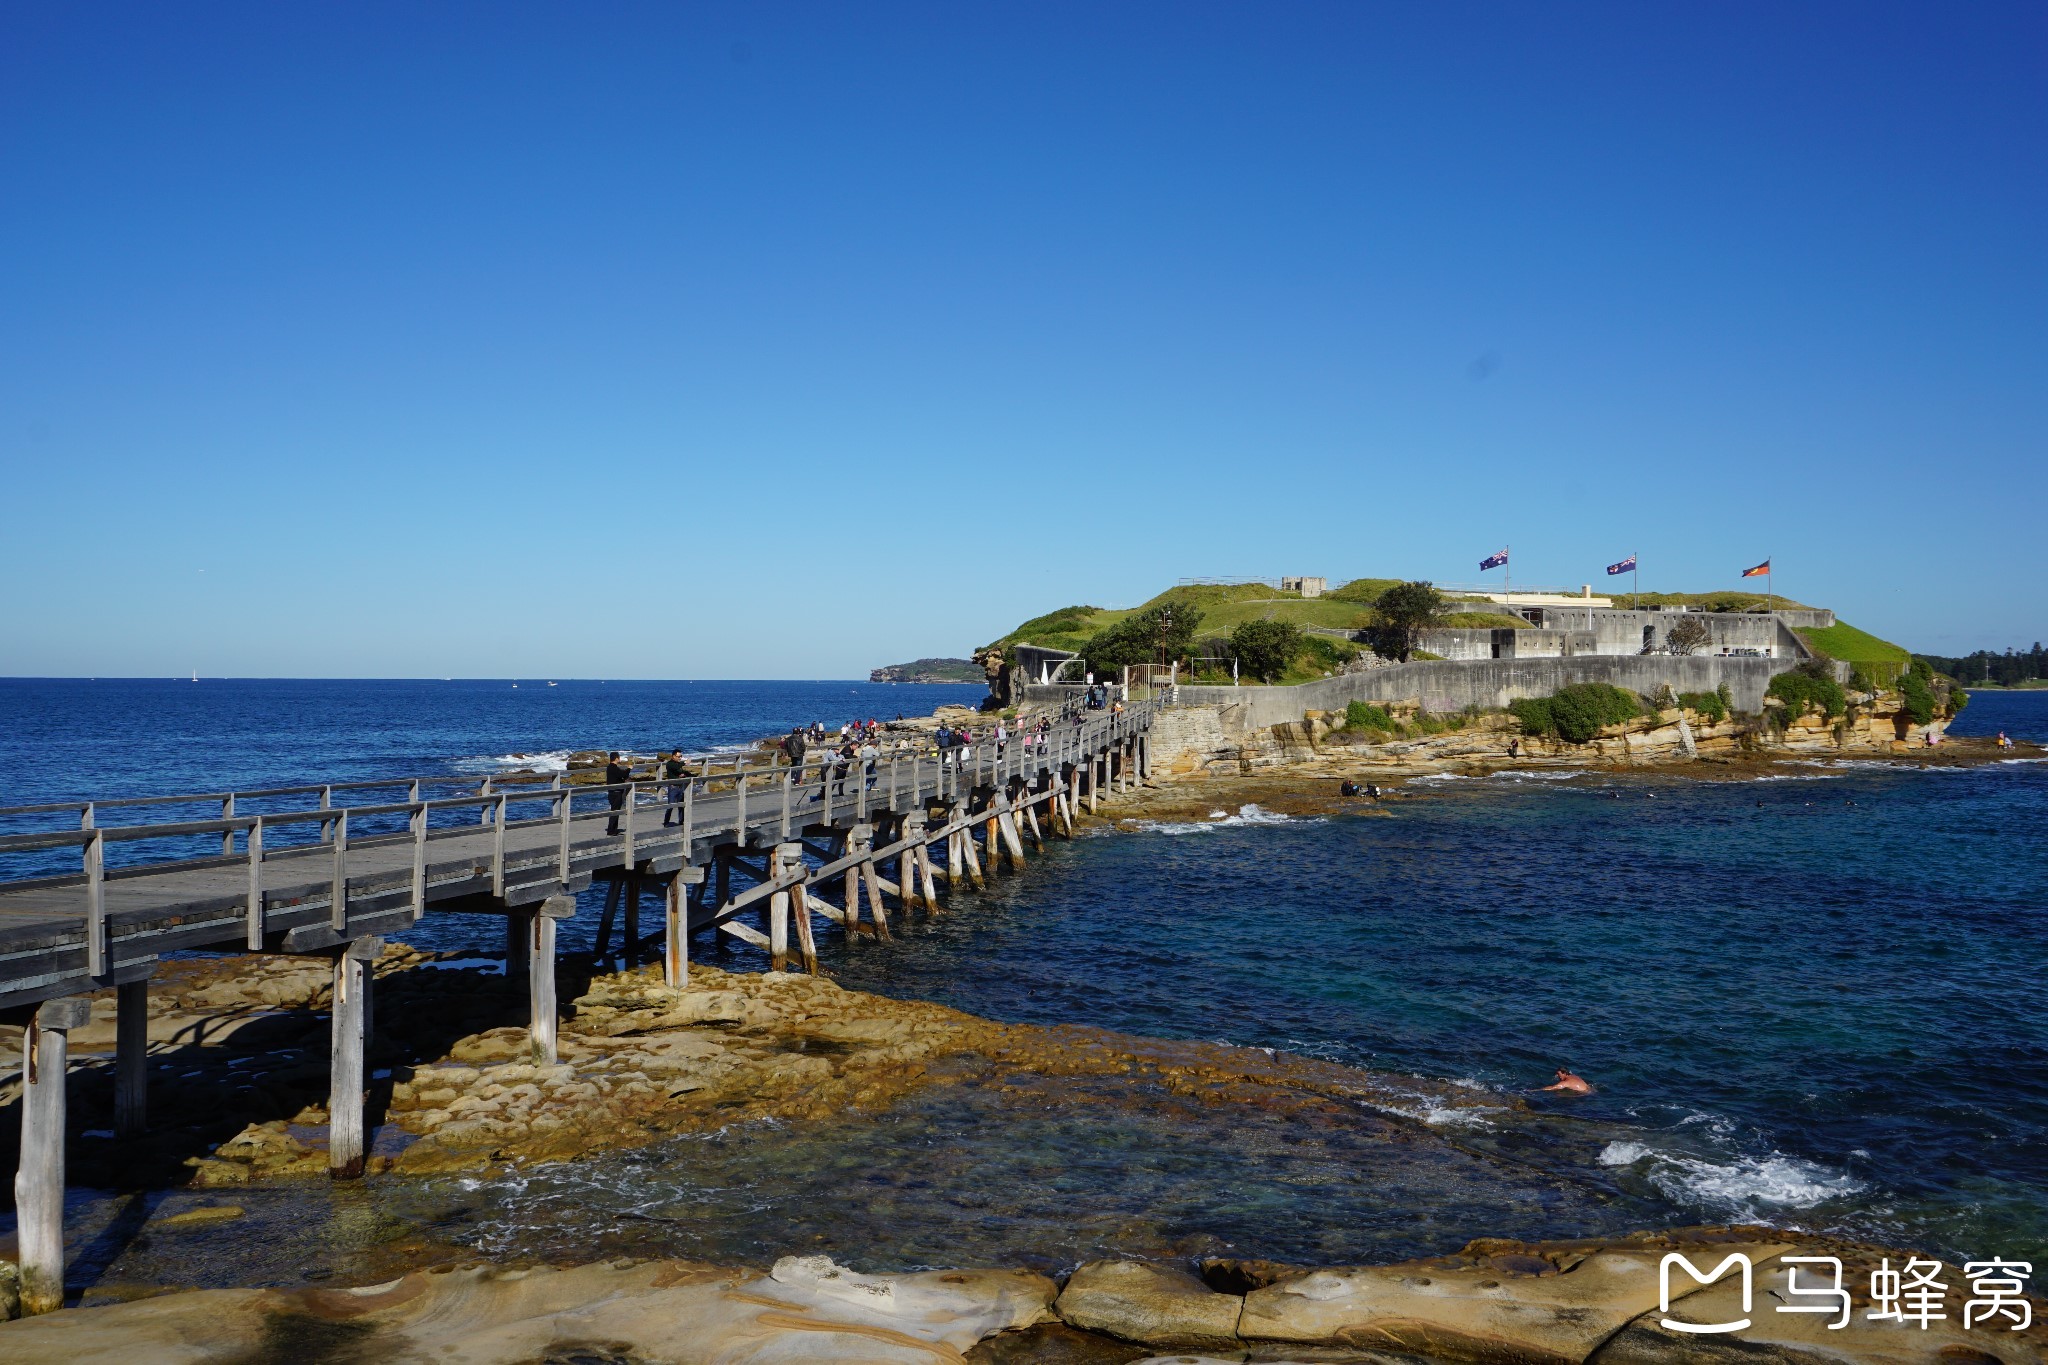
(677, 774)
(793, 746)
(617, 773)
(868, 756)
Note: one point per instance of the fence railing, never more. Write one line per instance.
(911, 769)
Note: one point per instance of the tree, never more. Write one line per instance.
(1688, 635)
(1160, 635)
(1265, 648)
(1399, 614)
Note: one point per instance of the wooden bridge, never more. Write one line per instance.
(743, 838)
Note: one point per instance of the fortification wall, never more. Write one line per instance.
(1489, 683)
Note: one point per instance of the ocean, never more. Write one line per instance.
(1814, 995)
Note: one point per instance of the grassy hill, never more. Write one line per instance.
(1881, 660)
(1224, 607)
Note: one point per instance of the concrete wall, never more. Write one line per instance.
(1490, 683)
(1568, 632)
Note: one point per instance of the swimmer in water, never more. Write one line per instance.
(1571, 1082)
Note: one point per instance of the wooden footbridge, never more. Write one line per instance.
(329, 869)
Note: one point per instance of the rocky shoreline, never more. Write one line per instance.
(455, 1092)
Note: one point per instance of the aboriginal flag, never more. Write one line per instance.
(1626, 566)
(1762, 570)
(1493, 561)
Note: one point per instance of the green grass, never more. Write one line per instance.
(1852, 646)
(1728, 599)
(1224, 607)
(1484, 620)
(1363, 589)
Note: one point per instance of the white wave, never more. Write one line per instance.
(1432, 779)
(1795, 777)
(1250, 813)
(555, 762)
(2023, 760)
(1737, 1187)
(1536, 775)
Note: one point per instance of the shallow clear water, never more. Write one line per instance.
(1818, 997)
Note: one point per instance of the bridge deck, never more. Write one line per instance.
(184, 904)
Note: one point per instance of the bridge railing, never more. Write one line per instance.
(953, 772)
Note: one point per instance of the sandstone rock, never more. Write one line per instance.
(1154, 1304)
(1775, 1338)
(658, 1310)
(203, 1216)
(1497, 1305)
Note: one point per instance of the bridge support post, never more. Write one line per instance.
(789, 862)
(39, 1183)
(351, 990)
(131, 1058)
(604, 921)
(540, 976)
(1144, 758)
(518, 957)
(675, 959)
(909, 867)
(778, 924)
(1013, 843)
(631, 944)
(972, 859)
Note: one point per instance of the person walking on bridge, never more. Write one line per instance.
(793, 746)
(677, 774)
(616, 773)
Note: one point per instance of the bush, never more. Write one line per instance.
(1364, 715)
(1577, 713)
(1399, 613)
(1689, 634)
(1919, 696)
(1711, 706)
(1805, 688)
(1265, 648)
(1159, 635)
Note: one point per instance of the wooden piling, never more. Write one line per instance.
(131, 1059)
(789, 862)
(1013, 843)
(631, 942)
(351, 985)
(675, 959)
(39, 1182)
(540, 978)
(972, 859)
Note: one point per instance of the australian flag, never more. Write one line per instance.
(1626, 566)
(1493, 561)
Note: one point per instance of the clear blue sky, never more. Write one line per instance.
(787, 340)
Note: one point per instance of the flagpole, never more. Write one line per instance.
(1636, 568)
(1507, 570)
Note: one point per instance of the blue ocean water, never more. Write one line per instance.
(1814, 995)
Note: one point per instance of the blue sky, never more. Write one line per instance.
(788, 340)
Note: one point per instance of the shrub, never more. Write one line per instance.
(1265, 648)
(1711, 706)
(1689, 634)
(1803, 688)
(1577, 713)
(1159, 635)
(1364, 715)
(1919, 697)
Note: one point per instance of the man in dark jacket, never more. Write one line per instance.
(616, 772)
